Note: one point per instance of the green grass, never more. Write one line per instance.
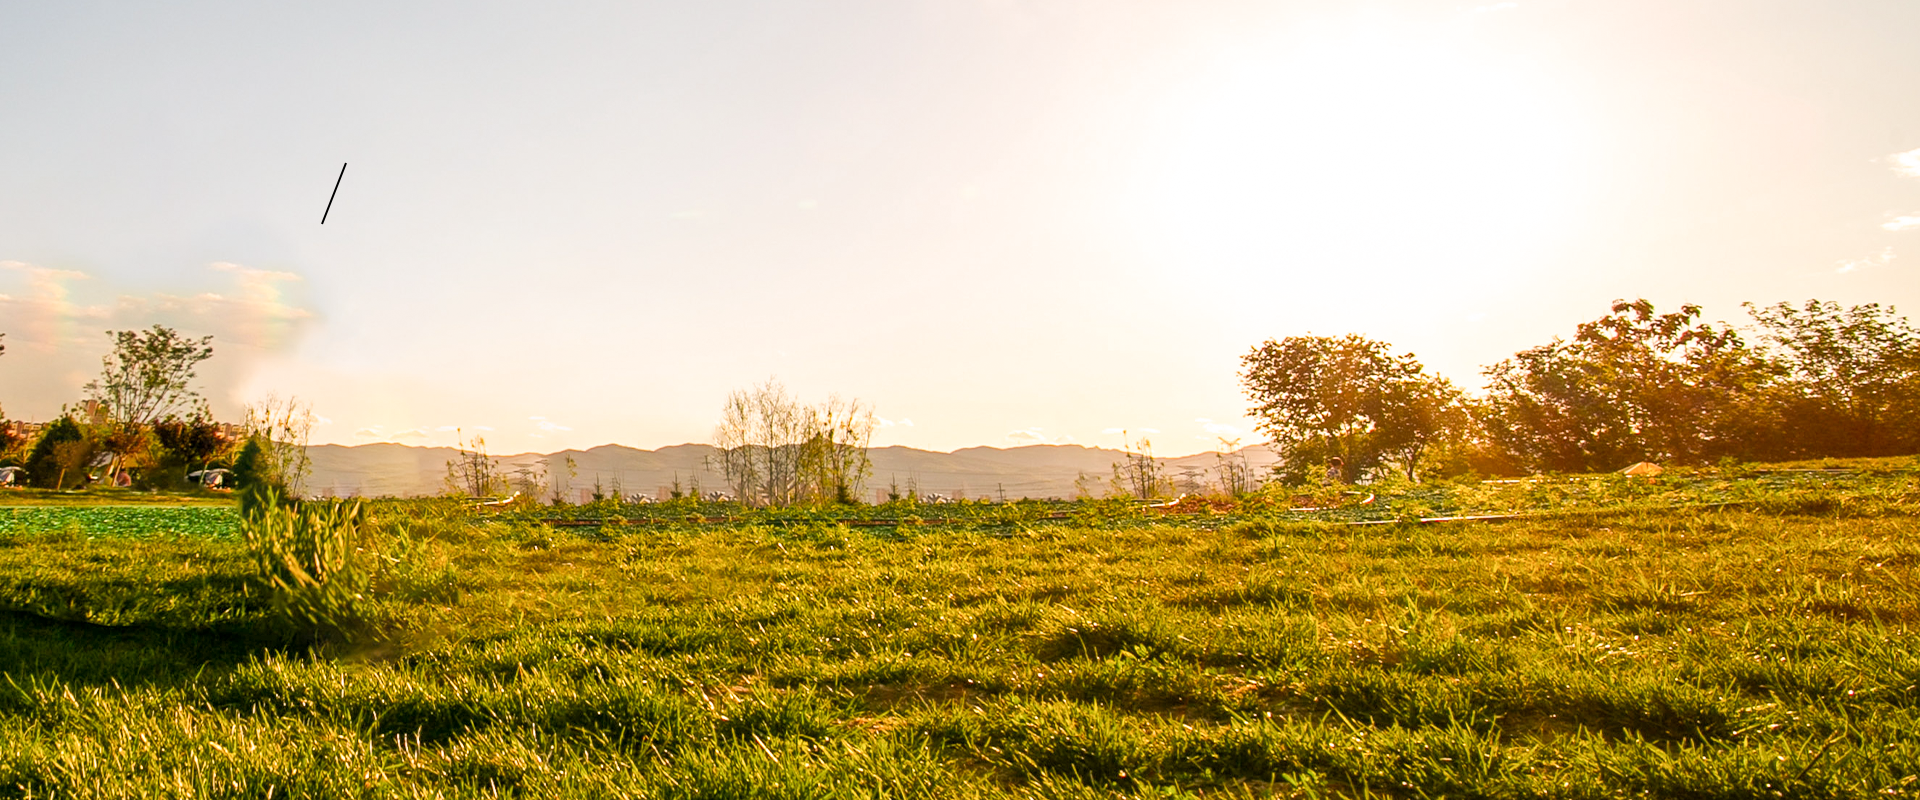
(1616, 647)
(120, 522)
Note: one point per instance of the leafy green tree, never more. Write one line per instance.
(249, 468)
(1851, 384)
(193, 440)
(11, 441)
(1633, 385)
(185, 444)
(148, 374)
(10, 438)
(1352, 398)
(51, 464)
(147, 377)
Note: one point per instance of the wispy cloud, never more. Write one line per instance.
(888, 423)
(1880, 259)
(45, 314)
(1903, 223)
(258, 303)
(461, 428)
(425, 434)
(1030, 436)
(1219, 430)
(1907, 163)
(548, 425)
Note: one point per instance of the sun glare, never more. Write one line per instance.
(1362, 158)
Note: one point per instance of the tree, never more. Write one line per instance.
(12, 439)
(184, 444)
(1418, 414)
(248, 470)
(1631, 386)
(1850, 378)
(278, 430)
(9, 439)
(835, 465)
(59, 457)
(148, 375)
(1320, 397)
(127, 442)
(776, 451)
(759, 437)
(193, 440)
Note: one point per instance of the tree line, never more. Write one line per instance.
(1796, 381)
(142, 425)
(1808, 381)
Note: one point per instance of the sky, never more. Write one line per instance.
(999, 222)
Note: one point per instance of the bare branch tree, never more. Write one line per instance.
(282, 428)
(836, 466)
(776, 451)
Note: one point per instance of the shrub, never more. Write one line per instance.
(310, 556)
(51, 463)
(248, 472)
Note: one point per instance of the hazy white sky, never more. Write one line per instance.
(1000, 221)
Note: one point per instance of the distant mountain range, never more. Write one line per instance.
(1036, 471)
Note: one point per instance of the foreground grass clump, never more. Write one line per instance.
(1722, 652)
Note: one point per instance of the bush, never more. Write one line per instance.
(58, 459)
(248, 473)
(310, 556)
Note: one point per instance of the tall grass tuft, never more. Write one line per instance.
(312, 558)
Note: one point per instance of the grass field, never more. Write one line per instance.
(1739, 635)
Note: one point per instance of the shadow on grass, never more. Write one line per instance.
(86, 653)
